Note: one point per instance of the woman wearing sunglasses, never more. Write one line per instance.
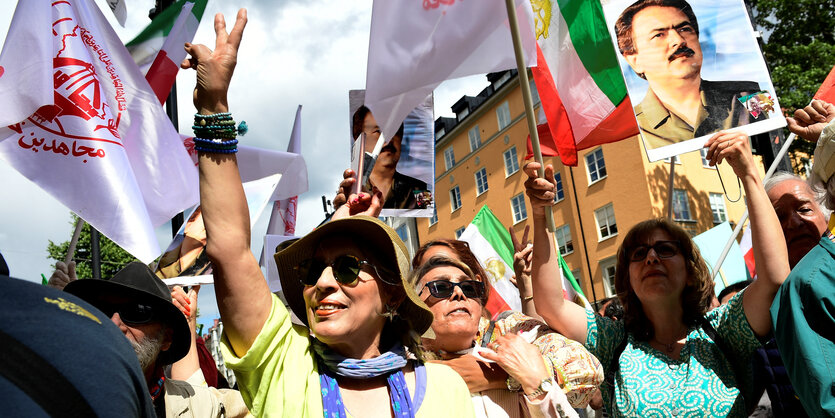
(527, 379)
(356, 352)
(669, 356)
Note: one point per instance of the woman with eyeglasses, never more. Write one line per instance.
(544, 375)
(669, 356)
(354, 350)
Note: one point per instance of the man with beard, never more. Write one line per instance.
(660, 41)
(399, 190)
(140, 305)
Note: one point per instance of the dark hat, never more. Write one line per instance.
(136, 282)
(375, 235)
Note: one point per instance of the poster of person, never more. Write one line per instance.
(692, 68)
(185, 262)
(401, 167)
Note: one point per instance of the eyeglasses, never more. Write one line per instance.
(131, 313)
(663, 249)
(346, 269)
(442, 289)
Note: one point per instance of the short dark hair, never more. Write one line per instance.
(734, 288)
(698, 291)
(623, 26)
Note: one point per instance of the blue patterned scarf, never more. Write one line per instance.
(390, 363)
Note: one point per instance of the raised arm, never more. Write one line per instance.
(567, 318)
(770, 251)
(243, 296)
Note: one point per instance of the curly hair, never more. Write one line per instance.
(698, 290)
(623, 26)
(462, 250)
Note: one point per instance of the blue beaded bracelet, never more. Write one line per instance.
(215, 150)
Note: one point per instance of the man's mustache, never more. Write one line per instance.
(682, 51)
(388, 147)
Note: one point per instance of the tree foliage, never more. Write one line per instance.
(799, 48)
(113, 257)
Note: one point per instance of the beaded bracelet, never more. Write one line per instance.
(216, 133)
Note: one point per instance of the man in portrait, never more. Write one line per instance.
(659, 39)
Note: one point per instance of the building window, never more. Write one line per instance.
(434, 219)
(534, 92)
(475, 138)
(681, 205)
(705, 162)
(455, 198)
(606, 225)
(459, 231)
(717, 206)
(520, 213)
(577, 275)
(503, 79)
(503, 113)
(403, 232)
(560, 192)
(481, 181)
(595, 165)
(607, 267)
(462, 114)
(449, 158)
(564, 242)
(439, 133)
(511, 161)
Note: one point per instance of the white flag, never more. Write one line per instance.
(416, 45)
(283, 216)
(87, 128)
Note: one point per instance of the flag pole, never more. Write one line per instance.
(526, 97)
(79, 225)
(670, 196)
(744, 217)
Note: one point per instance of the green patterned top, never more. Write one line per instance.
(700, 383)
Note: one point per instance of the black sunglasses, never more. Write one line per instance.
(664, 249)
(442, 289)
(131, 313)
(346, 269)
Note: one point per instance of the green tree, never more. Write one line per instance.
(799, 46)
(113, 257)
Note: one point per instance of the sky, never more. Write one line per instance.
(293, 52)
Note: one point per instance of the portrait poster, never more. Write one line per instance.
(185, 261)
(404, 166)
(691, 70)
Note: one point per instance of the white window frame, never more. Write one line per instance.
(459, 231)
(455, 197)
(518, 208)
(503, 115)
(611, 224)
(474, 135)
(439, 133)
(677, 194)
(449, 158)
(608, 267)
(462, 114)
(434, 218)
(717, 207)
(481, 185)
(513, 160)
(560, 188)
(563, 237)
(592, 159)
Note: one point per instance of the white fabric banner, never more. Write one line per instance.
(87, 128)
(416, 45)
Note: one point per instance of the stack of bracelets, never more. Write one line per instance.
(215, 133)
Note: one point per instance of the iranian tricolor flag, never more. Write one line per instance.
(570, 288)
(492, 245)
(578, 79)
(747, 247)
(158, 49)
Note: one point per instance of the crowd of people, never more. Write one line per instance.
(371, 331)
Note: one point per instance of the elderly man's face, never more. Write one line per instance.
(666, 43)
(800, 217)
(148, 339)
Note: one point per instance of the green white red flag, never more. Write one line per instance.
(158, 49)
(826, 91)
(578, 79)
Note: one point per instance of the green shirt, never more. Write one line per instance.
(721, 109)
(803, 314)
(278, 375)
(701, 382)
